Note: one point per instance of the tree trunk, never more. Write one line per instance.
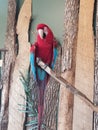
(16, 118)
(8, 64)
(84, 79)
(68, 63)
(11, 118)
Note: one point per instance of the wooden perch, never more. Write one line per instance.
(71, 88)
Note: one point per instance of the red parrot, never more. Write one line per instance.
(44, 48)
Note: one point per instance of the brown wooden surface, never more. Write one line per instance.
(16, 118)
(66, 98)
(9, 59)
(84, 80)
(68, 86)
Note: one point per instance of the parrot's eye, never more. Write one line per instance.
(46, 30)
(42, 33)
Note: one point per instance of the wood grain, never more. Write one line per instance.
(16, 118)
(84, 79)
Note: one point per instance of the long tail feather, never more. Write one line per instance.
(41, 90)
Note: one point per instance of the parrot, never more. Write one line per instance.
(45, 48)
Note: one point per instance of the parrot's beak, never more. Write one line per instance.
(41, 33)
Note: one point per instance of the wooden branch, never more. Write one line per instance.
(68, 86)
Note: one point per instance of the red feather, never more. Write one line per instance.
(43, 49)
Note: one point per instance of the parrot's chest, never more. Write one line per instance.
(45, 52)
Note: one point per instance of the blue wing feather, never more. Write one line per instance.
(41, 73)
(32, 62)
(55, 53)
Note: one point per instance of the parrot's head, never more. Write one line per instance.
(44, 33)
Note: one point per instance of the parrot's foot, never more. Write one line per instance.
(45, 66)
(38, 60)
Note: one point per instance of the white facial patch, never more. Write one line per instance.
(46, 30)
(40, 32)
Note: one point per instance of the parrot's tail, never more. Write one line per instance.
(41, 89)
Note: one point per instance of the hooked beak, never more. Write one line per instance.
(41, 33)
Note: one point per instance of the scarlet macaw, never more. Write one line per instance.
(44, 48)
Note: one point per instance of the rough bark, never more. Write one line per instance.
(68, 86)
(68, 63)
(84, 79)
(9, 60)
(16, 118)
(52, 98)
